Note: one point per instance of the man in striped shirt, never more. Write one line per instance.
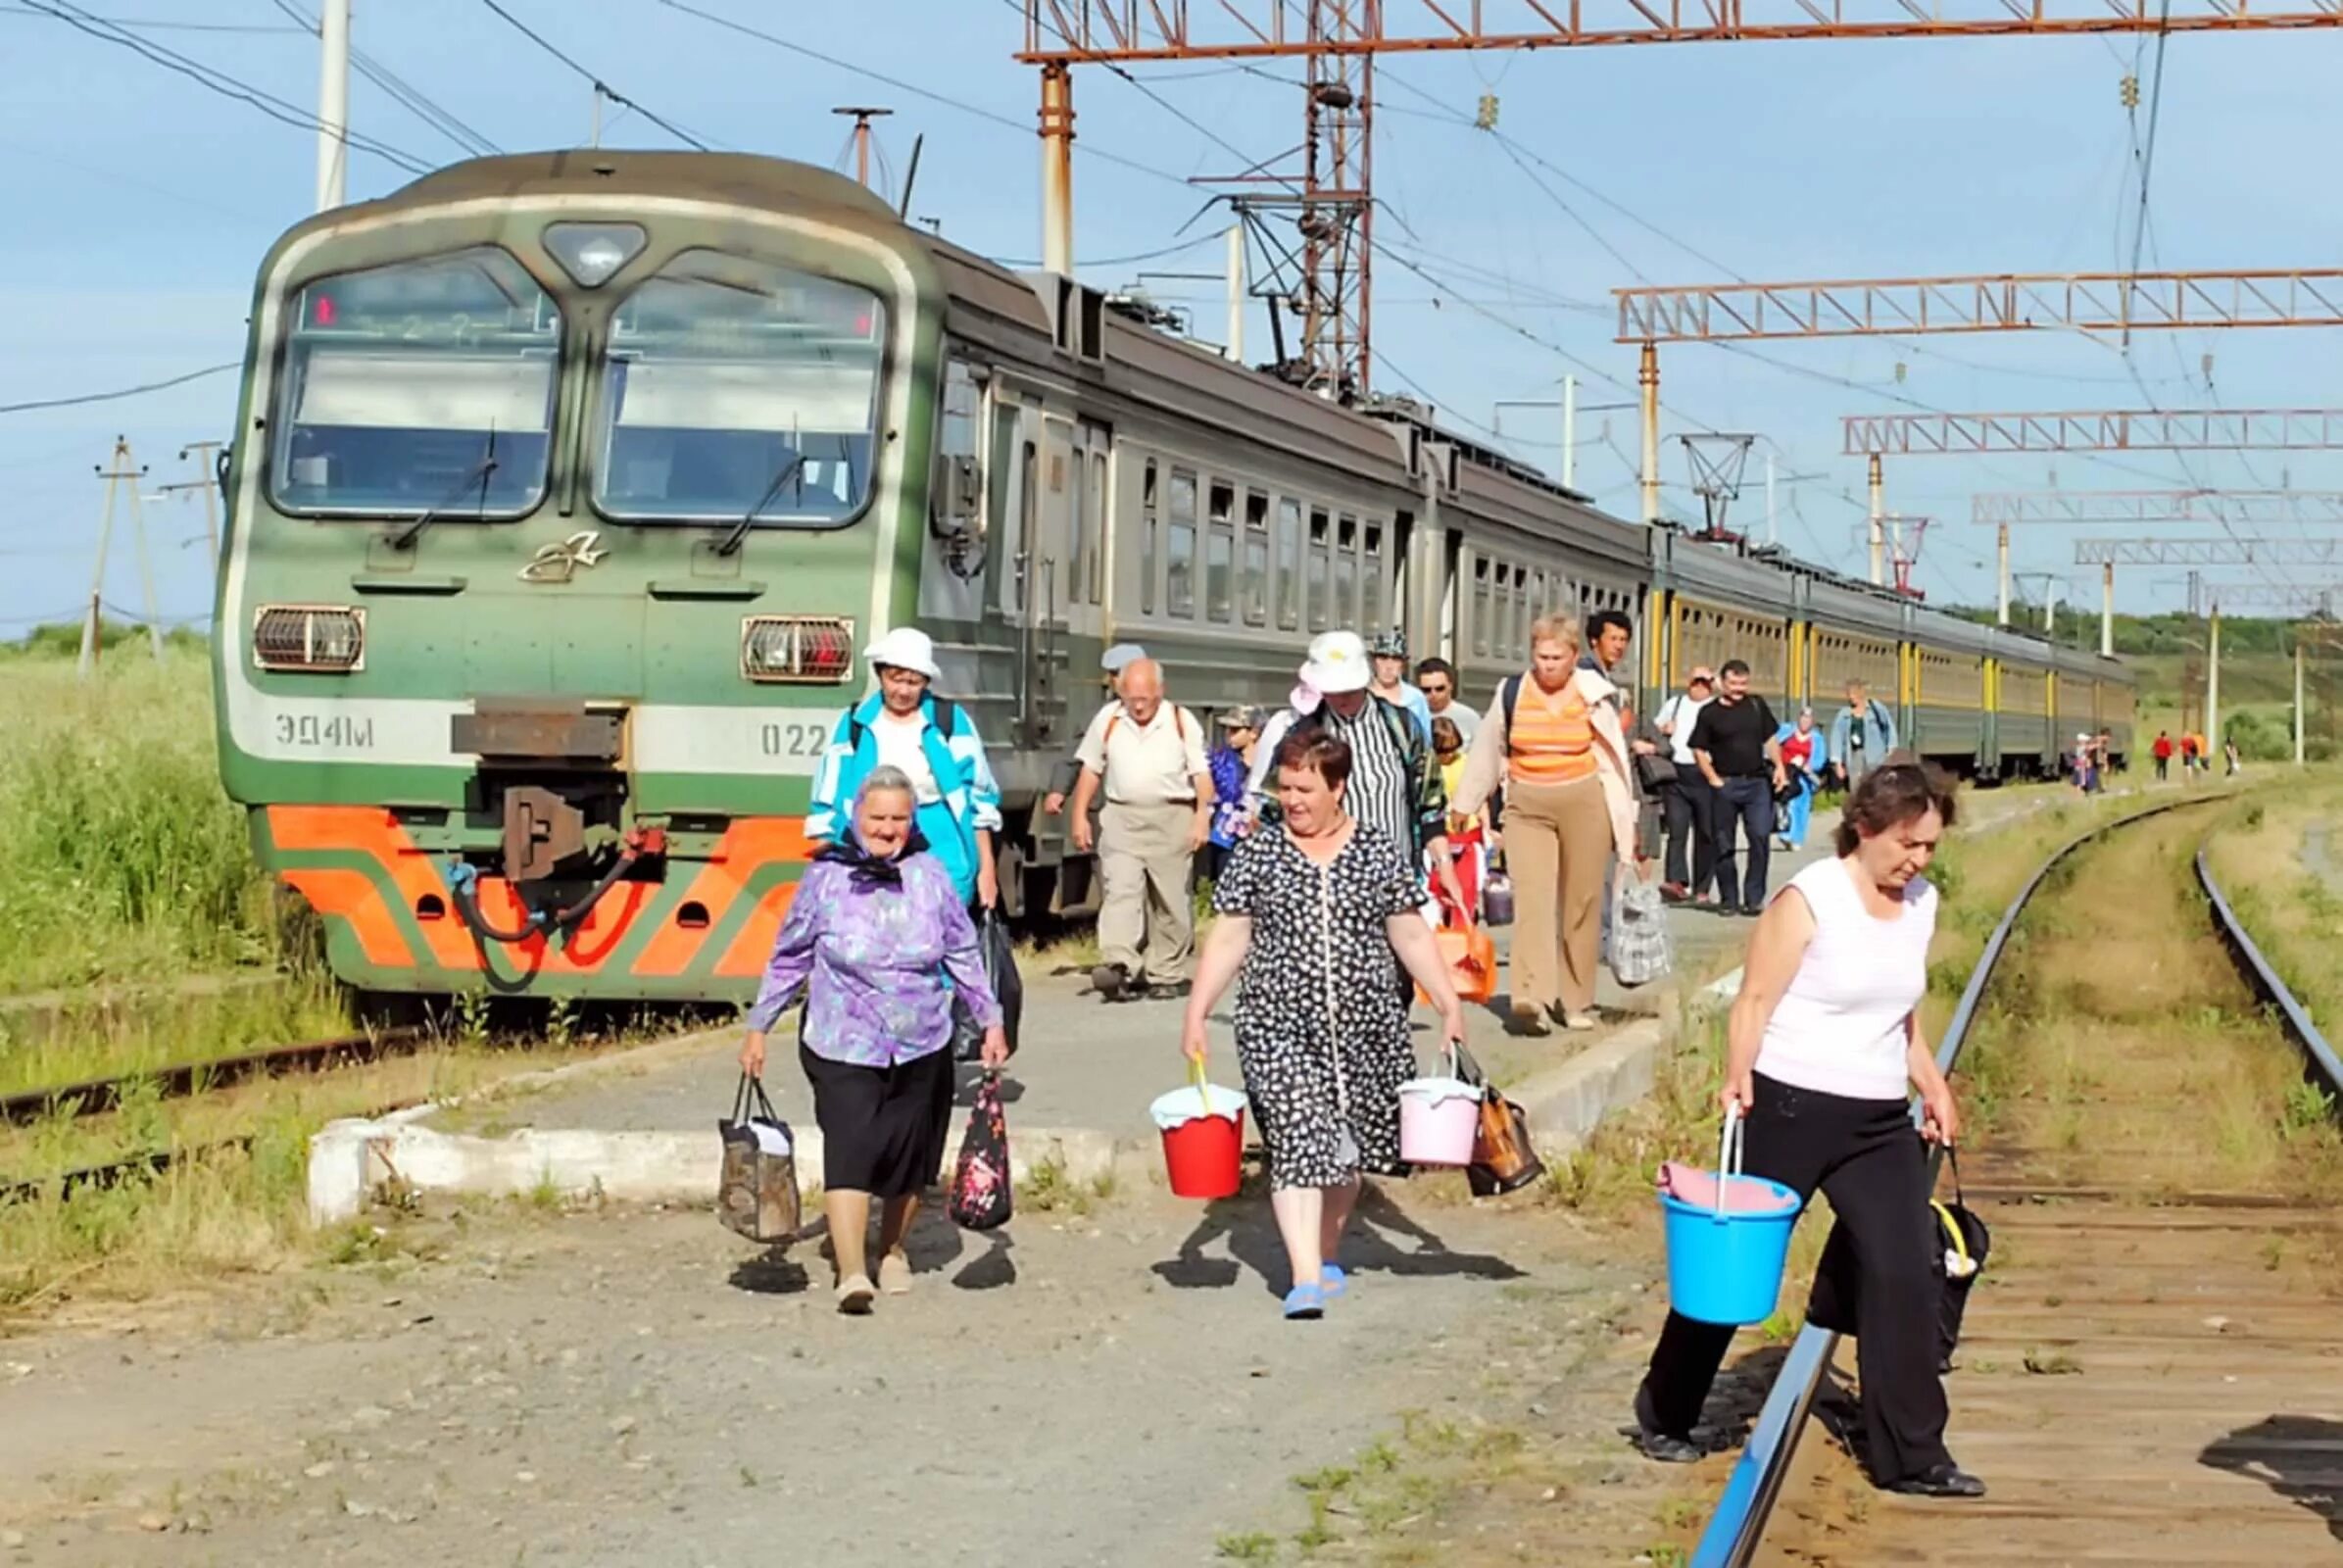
(1395, 787)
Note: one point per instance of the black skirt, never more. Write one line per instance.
(883, 1128)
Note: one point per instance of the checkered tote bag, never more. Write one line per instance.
(1640, 947)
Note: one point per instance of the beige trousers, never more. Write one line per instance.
(1144, 867)
(1557, 849)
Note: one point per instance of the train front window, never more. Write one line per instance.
(736, 389)
(420, 386)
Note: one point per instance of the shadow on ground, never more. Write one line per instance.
(2294, 1455)
(1377, 1229)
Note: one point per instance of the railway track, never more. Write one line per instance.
(2149, 1372)
(178, 1081)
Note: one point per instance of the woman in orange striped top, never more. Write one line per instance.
(1552, 740)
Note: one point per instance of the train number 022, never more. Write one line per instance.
(793, 740)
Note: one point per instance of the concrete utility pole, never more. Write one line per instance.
(202, 452)
(1570, 432)
(1235, 349)
(333, 103)
(2001, 553)
(1878, 535)
(2107, 610)
(1647, 385)
(122, 469)
(2299, 750)
(596, 140)
(1773, 526)
(1058, 169)
(2212, 676)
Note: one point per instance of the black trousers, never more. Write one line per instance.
(1866, 1157)
(1746, 804)
(1691, 807)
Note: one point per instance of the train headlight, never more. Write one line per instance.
(591, 252)
(808, 650)
(309, 639)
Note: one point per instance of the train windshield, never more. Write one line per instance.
(417, 386)
(737, 389)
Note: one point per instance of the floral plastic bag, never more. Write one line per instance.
(981, 1192)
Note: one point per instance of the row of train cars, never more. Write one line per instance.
(569, 487)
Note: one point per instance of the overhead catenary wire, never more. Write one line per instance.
(408, 97)
(219, 81)
(1083, 148)
(600, 85)
(140, 390)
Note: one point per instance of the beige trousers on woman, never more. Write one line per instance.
(1557, 849)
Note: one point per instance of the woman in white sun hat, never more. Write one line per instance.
(934, 742)
(1395, 784)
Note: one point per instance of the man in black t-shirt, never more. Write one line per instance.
(1733, 742)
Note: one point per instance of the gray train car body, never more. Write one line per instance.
(1099, 481)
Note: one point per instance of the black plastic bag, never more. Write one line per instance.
(982, 1194)
(992, 944)
(757, 1196)
(1958, 1245)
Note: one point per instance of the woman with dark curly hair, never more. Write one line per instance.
(1822, 1049)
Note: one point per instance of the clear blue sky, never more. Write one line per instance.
(138, 205)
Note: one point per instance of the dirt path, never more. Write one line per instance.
(639, 1387)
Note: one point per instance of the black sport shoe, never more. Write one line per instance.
(1111, 980)
(1750, 912)
(1653, 1443)
(1947, 1480)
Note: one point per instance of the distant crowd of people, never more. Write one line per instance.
(2195, 754)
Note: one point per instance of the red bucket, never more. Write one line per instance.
(1203, 1139)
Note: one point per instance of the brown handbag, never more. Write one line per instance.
(1503, 1159)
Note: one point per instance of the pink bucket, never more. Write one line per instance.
(1438, 1119)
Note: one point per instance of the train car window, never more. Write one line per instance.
(1078, 529)
(1481, 605)
(1254, 590)
(415, 386)
(735, 388)
(1220, 551)
(1029, 507)
(1289, 563)
(1321, 569)
(1179, 563)
(1347, 605)
(1006, 421)
(1100, 517)
(1374, 577)
(1150, 538)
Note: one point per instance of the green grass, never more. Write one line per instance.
(120, 859)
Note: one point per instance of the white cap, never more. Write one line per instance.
(905, 648)
(1338, 663)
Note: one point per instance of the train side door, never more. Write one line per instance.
(1048, 485)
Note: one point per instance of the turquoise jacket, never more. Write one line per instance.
(971, 798)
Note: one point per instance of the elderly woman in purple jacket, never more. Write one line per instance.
(880, 945)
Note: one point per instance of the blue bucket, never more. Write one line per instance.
(1726, 1258)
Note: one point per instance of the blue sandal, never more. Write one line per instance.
(1304, 1304)
(1333, 1283)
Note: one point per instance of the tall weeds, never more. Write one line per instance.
(120, 859)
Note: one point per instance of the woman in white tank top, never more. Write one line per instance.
(1823, 1048)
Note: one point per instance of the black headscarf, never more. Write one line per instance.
(868, 870)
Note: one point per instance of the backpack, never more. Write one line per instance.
(947, 719)
(1179, 722)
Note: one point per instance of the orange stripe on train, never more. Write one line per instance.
(745, 849)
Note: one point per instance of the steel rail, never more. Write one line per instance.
(2262, 976)
(181, 1079)
(1746, 1505)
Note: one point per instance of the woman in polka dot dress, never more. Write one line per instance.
(1320, 913)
